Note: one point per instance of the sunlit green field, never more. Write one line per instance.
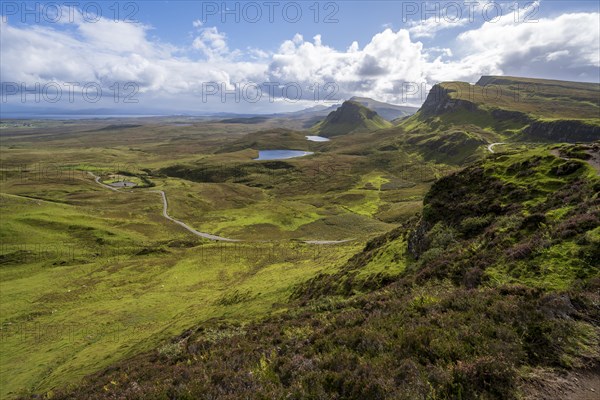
(91, 275)
(85, 284)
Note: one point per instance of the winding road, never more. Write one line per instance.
(97, 180)
(491, 146)
(186, 226)
(203, 234)
(166, 214)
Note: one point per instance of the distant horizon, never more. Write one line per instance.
(114, 113)
(22, 108)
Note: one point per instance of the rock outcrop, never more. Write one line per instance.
(563, 131)
(439, 101)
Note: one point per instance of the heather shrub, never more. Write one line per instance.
(473, 225)
(170, 351)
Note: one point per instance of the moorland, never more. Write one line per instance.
(444, 252)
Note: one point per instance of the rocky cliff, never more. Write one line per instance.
(563, 131)
(439, 101)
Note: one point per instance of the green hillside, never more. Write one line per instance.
(91, 276)
(490, 294)
(349, 118)
(457, 118)
(271, 139)
(535, 98)
(395, 262)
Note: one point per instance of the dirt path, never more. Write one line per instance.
(97, 180)
(594, 159)
(576, 385)
(166, 214)
(203, 234)
(491, 146)
(186, 226)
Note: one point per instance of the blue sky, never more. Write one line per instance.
(357, 20)
(177, 53)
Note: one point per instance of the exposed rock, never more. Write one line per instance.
(439, 101)
(417, 239)
(505, 115)
(563, 131)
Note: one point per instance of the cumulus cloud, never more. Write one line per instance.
(390, 57)
(537, 48)
(430, 26)
(97, 52)
(213, 43)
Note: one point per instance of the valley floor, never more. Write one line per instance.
(365, 269)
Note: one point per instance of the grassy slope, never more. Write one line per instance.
(351, 187)
(459, 119)
(81, 289)
(350, 117)
(540, 98)
(90, 276)
(492, 286)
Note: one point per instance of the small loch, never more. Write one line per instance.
(317, 139)
(281, 154)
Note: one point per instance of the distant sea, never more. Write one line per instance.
(4, 116)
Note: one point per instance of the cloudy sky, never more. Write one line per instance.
(255, 57)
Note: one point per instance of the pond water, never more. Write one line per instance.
(122, 184)
(281, 154)
(318, 139)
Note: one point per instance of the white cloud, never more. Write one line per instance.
(441, 51)
(107, 52)
(213, 43)
(375, 70)
(557, 54)
(257, 54)
(98, 53)
(429, 27)
(536, 48)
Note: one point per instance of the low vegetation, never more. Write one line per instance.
(471, 300)
(467, 274)
(458, 118)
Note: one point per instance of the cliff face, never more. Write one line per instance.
(506, 115)
(445, 99)
(417, 241)
(451, 200)
(439, 101)
(504, 201)
(563, 131)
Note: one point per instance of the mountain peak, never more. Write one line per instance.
(385, 110)
(352, 111)
(350, 117)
